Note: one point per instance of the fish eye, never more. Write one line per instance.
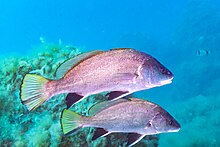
(149, 124)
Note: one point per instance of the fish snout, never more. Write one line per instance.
(175, 126)
(168, 76)
(167, 73)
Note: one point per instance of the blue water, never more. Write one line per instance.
(91, 24)
(172, 31)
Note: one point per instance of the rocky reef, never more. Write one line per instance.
(42, 126)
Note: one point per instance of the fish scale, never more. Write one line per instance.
(132, 115)
(119, 70)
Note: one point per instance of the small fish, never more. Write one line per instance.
(203, 53)
(120, 71)
(134, 116)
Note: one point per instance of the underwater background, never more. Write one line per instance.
(184, 35)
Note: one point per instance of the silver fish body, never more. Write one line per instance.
(134, 116)
(137, 115)
(115, 70)
(124, 70)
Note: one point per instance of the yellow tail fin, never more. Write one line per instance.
(33, 92)
(70, 121)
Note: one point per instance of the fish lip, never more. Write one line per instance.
(176, 130)
(164, 82)
(161, 83)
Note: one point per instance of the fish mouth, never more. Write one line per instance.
(176, 130)
(164, 82)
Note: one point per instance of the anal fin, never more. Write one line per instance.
(73, 98)
(99, 132)
(114, 95)
(134, 138)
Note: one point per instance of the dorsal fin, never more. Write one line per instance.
(137, 99)
(103, 105)
(121, 49)
(70, 63)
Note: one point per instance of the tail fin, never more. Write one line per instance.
(70, 121)
(33, 92)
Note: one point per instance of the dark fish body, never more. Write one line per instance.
(130, 116)
(203, 52)
(125, 70)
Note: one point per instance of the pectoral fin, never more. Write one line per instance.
(134, 138)
(124, 77)
(99, 132)
(114, 95)
(73, 98)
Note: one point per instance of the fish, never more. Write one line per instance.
(119, 72)
(134, 116)
(203, 52)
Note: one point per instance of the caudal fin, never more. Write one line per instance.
(70, 121)
(33, 92)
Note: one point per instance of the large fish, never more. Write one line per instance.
(121, 71)
(134, 116)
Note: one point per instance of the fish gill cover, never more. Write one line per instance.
(193, 98)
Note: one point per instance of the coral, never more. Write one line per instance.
(42, 126)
